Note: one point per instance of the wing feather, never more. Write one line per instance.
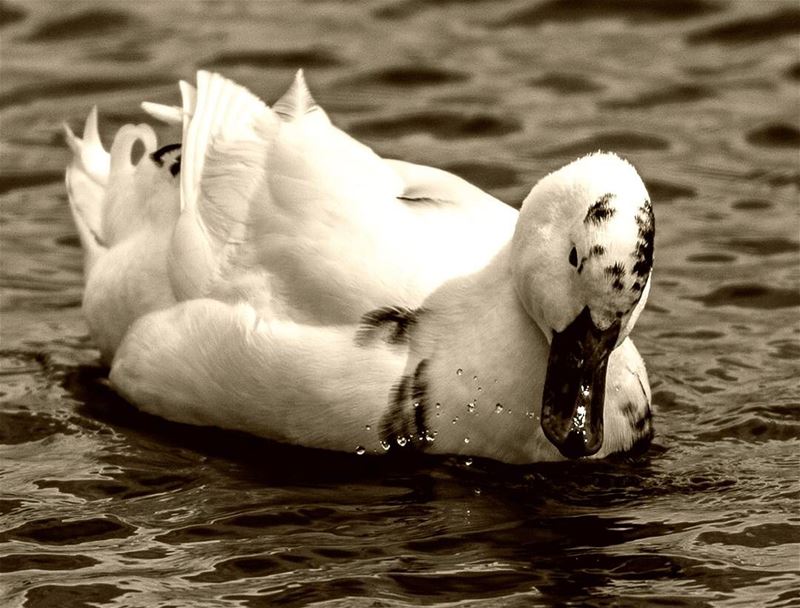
(223, 159)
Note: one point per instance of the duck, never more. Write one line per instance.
(273, 275)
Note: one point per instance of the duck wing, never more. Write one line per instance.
(283, 209)
(226, 136)
(207, 362)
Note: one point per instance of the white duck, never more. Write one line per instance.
(275, 276)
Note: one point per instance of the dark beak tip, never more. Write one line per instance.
(577, 445)
(572, 443)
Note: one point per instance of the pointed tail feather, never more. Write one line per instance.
(297, 101)
(87, 179)
(171, 115)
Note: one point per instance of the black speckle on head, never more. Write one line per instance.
(158, 156)
(391, 323)
(643, 253)
(615, 270)
(597, 250)
(636, 286)
(615, 273)
(600, 210)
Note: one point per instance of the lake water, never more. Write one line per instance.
(100, 504)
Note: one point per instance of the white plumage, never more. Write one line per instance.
(274, 275)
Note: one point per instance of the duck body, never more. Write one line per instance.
(277, 277)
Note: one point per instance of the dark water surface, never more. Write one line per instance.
(102, 505)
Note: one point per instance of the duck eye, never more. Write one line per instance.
(573, 257)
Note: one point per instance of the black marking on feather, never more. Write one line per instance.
(629, 411)
(419, 398)
(158, 156)
(175, 167)
(641, 424)
(645, 433)
(597, 250)
(642, 427)
(646, 221)
(636, 286)
(405, 422)
(644, 422)
(600, 210)
(393, 324)
(424, 199)
(395, 426)
(615, 273)
(615, 270)
(580, 266)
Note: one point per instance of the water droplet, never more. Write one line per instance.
(466, 439)
(385, 445)
(368, 427)
(402, 441)
(498, 409)
(430, 437)
(468, 462)
(438, 405)
(471, 407)
(529, 414)
(459, 371)
(474, 378)
(360, 450)
(477, 491)
(416, 404)
(455, 419)
(480, 389)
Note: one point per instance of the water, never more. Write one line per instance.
(102, 504)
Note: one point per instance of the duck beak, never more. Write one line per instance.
(575, 386)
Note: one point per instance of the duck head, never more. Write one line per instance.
(582, 257)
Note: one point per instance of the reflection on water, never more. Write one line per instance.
(100, 503)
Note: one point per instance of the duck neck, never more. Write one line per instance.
(476, 370)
